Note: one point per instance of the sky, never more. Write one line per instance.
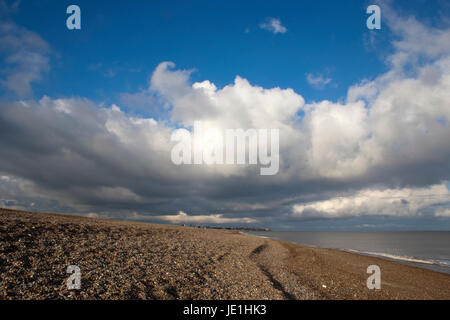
(86, 116)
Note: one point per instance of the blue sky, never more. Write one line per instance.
(120, 45)
(368, 150)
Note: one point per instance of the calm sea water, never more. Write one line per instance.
(427, 249)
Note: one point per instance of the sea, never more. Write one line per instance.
(426, 249)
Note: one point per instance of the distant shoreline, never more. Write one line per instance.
(131, 260)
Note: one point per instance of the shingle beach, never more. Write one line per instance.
(131, 260)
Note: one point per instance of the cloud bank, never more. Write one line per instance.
(383, 151)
